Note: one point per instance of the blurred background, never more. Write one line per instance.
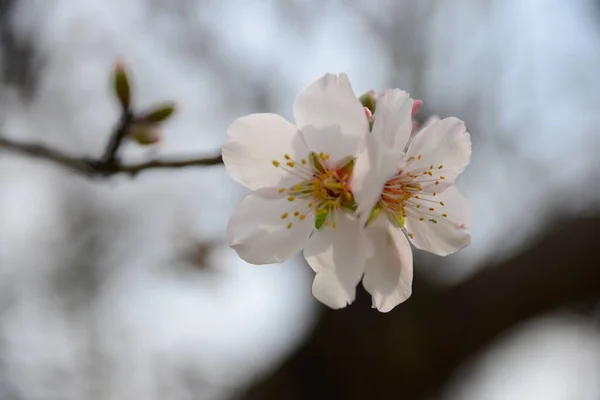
(125, 288)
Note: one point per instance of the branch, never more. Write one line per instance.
(109, 164)
(116, 139)
(134, 169)
(78, 164)
(358, 353)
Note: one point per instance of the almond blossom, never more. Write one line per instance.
(300, 176)
(405, 189)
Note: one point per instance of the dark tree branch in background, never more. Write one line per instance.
(358, 353)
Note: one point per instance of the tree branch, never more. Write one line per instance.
(81, 165)
(358, 353)
(116, 139)
(109, 164)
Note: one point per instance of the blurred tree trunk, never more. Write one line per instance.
(358, 353)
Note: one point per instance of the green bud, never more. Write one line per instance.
(144, 134)
(122, 87)
(369, 101)
(159, 114)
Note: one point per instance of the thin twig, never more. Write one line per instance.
(116, 139)
(92, 167)
(81, 165)
(134, 169)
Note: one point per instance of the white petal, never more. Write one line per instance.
(330, 117)
(393, 121)
(374, 167)
(256, 140)
(449, 234)
(259, 234)
(337, 255)
(389, 272)
(426, 125)
(444, 143)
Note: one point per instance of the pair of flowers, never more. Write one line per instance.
(348, 188)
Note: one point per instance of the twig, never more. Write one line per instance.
(134, 169)
(108, 165)
(116, 139)
(81, 165)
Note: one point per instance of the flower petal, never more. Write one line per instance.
(444, 143)
(374, 167)
(393, 121)
(331, 118)
(257, 140)
(389, 271)
(260, 231)
(337, 255)
(449, 233)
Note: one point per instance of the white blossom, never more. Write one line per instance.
(407, 189)
(300, 176)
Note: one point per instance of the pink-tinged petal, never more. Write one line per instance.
(415, 126)
(393, 122)
(264, 230)
(337, 255)
(444, 145)
(389, 272)
(257, 140)
(331, 118)
(448, 233)
(415, 108)
(374, 167)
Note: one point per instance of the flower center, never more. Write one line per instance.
(323, 190)
(403, 195)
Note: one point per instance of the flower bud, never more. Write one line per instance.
(369, 100)
(121, 86)
(144, 133)
(416, 105)
(158, 114)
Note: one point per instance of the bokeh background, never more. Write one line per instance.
(125, 288)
